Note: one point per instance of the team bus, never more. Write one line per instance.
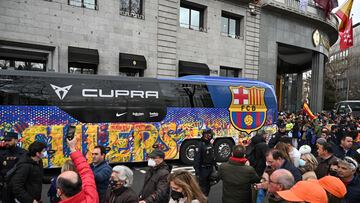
(131, 115)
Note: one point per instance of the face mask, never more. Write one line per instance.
(302, 162)
(333, 173)
(114, 184)
(44, 154)
(151, 163)
(176, 195)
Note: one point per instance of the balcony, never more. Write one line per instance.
(311, 12)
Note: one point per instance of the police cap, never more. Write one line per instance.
(157, 153)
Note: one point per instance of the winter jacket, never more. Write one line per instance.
(156, 187)
(102, 173)
(88, 193)
(256, 153)
(293, 170)
(323, 167)
(237, 179)
(340, 152)
(275, 139)
(121, 195)
(183, 200)
(26, 183)
(353, 190)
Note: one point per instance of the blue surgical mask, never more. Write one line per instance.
(44, 154)
(302, 162)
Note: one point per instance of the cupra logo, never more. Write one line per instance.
(61, 92)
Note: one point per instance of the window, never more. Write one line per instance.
(75, 70)
(191, 17)
(22, 65)
(186, 95)
(24, 56)
(230, 25)
(132, 8)
(90, 4)
(230, 72)
(82, 60)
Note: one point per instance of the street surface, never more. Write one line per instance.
(139, 175)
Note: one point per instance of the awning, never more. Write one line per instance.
(14, 54)
(128, 62)
(83, 56)
(191, 68)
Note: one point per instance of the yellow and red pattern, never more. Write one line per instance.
(344, 14)
(247, 108)
(256, 97)
(308, 111)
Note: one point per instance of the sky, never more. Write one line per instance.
(355, 10)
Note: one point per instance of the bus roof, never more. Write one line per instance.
(191, 78)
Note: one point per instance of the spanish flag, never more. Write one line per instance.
(308, 112)
(344, 14)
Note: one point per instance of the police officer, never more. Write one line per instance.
(8, 158)
(204, 160)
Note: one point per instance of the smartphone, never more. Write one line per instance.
(70, 132)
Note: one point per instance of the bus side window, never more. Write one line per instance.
(174, 94)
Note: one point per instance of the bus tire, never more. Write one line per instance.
(223, 148)
(187, 151)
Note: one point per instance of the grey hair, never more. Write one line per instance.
(124, 174)
(285, 178)
(349, 162)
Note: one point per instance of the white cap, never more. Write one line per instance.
(305, 149)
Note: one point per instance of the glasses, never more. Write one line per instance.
(272, 182)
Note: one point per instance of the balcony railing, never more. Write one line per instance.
(309, 10)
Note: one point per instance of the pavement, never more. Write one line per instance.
(139, 175)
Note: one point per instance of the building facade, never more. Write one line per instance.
(264, 40)
(344, 68)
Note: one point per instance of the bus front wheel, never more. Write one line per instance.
(223, 149)
(187, 151)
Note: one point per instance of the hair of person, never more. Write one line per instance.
(239, 151)
(327, 147)
(68, 187)
(68, 166)
(349, 162)
(284, 149)
(285, 178)
(311, 163)
(286, 140)
(102, 149)
(36, 147)
(189, 185)
(124, 174)
(348, 134)
(276, 154)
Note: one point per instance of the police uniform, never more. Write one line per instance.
(204, 162)
(8, 159)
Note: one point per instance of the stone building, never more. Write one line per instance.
(271, 40)
(345, 67)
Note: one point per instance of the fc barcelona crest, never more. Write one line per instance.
(247, 108)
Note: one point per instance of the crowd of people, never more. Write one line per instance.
(313, 161)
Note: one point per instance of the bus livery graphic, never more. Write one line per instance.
(130, 116)
(247, 108)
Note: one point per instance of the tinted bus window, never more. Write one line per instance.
(186, 95)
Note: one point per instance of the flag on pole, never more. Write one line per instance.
(344, 14)
(308, 112)
(346, 37)
(327, 5)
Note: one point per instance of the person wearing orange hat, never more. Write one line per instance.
(305, 191)
(334, 187)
